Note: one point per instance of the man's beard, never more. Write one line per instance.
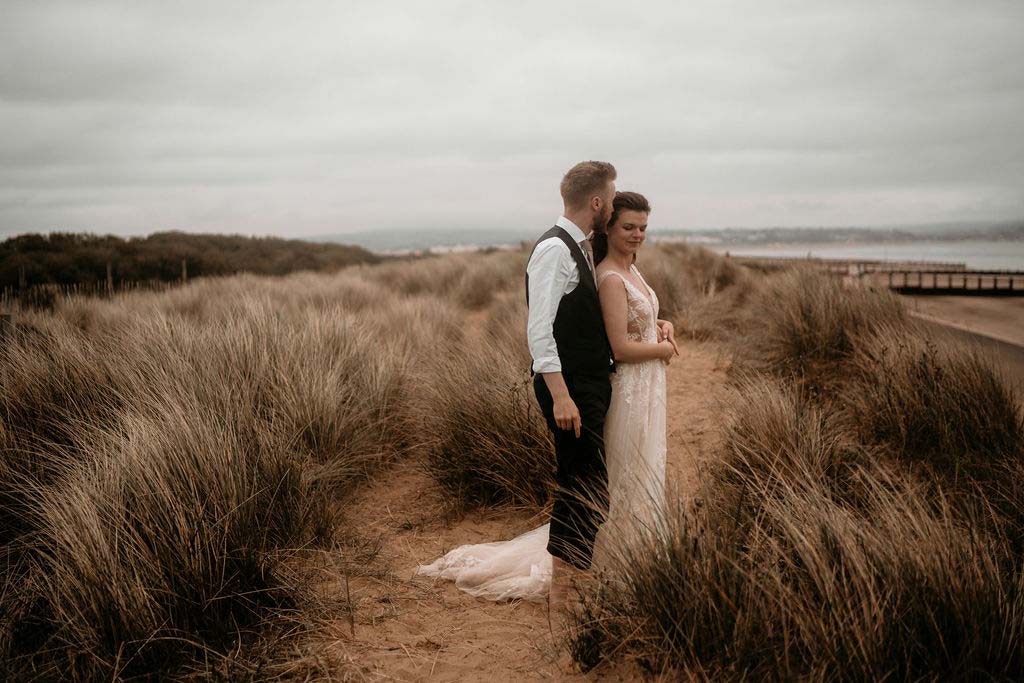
(601, 222)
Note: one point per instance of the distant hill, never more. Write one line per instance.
(69, 258)
(1012, 230)
(440, 239)
(1004, 230)
(400, 241)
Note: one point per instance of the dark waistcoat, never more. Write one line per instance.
(579, 332)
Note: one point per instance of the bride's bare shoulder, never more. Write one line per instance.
(604, 271)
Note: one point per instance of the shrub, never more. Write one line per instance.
(169, 537)
(161, 457)
(802, 322)
(487, 441)
(943, 403)
(786, 575)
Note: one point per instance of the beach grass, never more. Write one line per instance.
(859, 517)
(171, 463)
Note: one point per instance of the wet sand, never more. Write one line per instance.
(995, 324)
(1001, 318)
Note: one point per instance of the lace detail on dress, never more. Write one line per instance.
(641, 309)
(641, 326)
(635, 428)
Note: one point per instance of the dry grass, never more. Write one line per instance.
(164, 456)
(701, 292)
(861, 520)
(811, 559)
(923, 399)
(800, 324)
(489, 442)
(168, 461)
(468, 280)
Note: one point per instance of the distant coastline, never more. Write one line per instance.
(977, 254)
(399, 242)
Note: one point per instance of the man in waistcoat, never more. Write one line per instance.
(572, 360)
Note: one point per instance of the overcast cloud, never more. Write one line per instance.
(306, 118)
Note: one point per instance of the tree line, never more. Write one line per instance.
(70, 258)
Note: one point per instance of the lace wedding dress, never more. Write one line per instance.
(634, 439)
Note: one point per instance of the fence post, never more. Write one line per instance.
(184, 272)
(110, 279)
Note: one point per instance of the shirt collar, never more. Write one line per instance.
(574, 230)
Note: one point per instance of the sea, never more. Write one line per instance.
(979, 254)
(975, 254)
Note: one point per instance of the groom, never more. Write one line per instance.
(572, 360)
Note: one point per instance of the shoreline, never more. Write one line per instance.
(998, 318)
(978, 254)
(995, 325)
(964, 328)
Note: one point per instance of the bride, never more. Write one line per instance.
(634, 432)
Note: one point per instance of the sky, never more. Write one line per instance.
(310, 118)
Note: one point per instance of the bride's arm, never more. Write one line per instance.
(612, 293)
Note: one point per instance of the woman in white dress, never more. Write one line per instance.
(634, 433)
(635, 426)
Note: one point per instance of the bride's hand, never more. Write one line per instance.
(672, 341)
(667, 333)
(666, 348)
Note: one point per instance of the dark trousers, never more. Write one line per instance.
(581, 494)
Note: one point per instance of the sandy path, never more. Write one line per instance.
(411, 628)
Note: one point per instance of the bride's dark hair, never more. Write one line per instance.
(624, 201)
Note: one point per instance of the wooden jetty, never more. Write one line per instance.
(964, 283)
(911, 277)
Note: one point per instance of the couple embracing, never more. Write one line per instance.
(599, 354)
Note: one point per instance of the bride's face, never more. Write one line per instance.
(628, 232)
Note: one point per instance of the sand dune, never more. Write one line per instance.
(412, 628)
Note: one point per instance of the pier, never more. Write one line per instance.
(964, 283)
(909, 277)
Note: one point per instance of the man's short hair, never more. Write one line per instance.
(584, 180)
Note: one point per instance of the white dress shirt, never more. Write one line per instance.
(553, 274)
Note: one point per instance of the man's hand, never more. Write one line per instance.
(567, 415)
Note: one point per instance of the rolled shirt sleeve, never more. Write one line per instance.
(550, 272)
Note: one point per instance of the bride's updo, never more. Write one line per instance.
(624, 201)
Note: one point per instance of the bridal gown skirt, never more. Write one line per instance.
(520, 568)
(635, 447)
